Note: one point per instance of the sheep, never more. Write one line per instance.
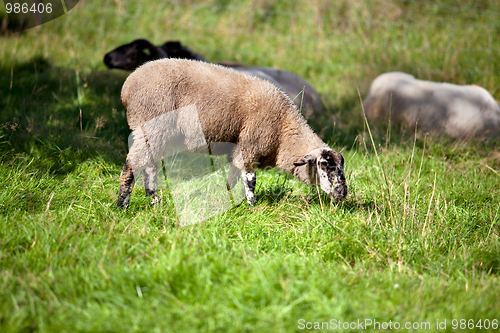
(461, 112)
(232, 107)
(132, 55)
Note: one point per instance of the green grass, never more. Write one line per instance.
(416, 240)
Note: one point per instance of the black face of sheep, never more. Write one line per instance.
(132, 55)
(326, 169)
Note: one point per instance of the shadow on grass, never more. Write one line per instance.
(276, 193)
(61, 117)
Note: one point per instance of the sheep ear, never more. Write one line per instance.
(141, 44)
(172, 46)
(306, 159)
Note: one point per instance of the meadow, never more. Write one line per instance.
(417, 240)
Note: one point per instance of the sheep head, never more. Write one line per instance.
(325, 167)
(132, 55)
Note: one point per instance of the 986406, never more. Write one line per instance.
(25, 8)
(464, 324)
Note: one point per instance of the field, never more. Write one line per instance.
(417, 240)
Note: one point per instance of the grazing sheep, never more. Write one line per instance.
(232, 107)
(461, 112)
(132, 55)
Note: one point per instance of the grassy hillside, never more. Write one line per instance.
(416, 240)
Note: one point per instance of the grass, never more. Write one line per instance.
(416, 240)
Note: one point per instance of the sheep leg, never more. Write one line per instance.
(126, 185)
(249, 180)
(149, 177)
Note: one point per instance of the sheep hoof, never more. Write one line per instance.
(123, 202)
(154, 200)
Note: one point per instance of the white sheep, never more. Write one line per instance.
(231, 107)
(461, 112)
